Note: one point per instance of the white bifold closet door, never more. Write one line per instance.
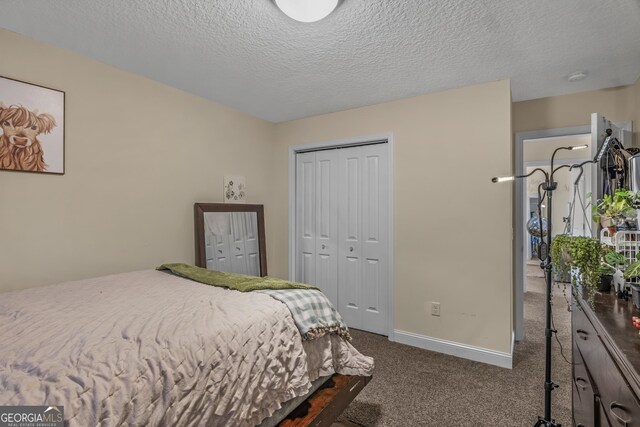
(317, 221)
(342, 200)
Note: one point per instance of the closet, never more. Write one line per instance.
(342, 230)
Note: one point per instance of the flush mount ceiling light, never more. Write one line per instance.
(307, 10)
(577, 76)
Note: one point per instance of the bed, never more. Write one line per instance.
(151, 348)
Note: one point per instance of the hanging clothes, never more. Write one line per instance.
(614, 165)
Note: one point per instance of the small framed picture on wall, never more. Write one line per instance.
(31, 127)
(235, 189)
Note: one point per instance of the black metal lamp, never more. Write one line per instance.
(544, 254)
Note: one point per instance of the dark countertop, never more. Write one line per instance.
(614, 314)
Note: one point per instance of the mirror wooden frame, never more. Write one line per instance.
(200, 208)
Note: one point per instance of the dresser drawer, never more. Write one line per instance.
(585, 337)
(601, 416)
(597, 419)
(619, 403)
(584, 403)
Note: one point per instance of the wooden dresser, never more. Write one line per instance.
(606, 363)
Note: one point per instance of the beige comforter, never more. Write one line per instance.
(149, 348)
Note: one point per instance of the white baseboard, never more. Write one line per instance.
(478, 354)
(392, 335)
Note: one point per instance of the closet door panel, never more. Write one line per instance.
(327, 223)
(217, 251)
(237, 243)
(251, 246)
(371, 282)
(351, 294)
(375, 202)
(351, 201)
(350, 226)
(307, 269)
(305, 218)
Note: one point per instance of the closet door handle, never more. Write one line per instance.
(324, 246)
(351, 249)
(616, 417)
(582, 334)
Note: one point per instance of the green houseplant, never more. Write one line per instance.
(614, 258)
(580, 252)
(633, 270)
(612, 209)
(561, 257)
(606, 277)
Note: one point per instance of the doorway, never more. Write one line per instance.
(594, 133)
(534, 149)
(340, 226)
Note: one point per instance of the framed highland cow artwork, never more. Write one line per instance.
(31, 127)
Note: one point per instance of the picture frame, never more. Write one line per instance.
(207, 248)
(32, 128)
(234, 189)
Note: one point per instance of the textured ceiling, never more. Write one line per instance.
(246, 54)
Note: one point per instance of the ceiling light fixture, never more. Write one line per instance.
(577, 76)
(307, 10)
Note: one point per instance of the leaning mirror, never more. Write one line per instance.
(230, 238)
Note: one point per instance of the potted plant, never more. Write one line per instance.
(606, 277)
(584, 254)
(612, 262)
(561, 258)
(615, 259)
(614, 210)
(631, 272)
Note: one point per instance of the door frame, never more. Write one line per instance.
(343, 143)
(520, 225)
(520, 191)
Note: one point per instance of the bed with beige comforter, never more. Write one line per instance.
(150, 348)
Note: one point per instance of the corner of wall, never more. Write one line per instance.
(636, 119)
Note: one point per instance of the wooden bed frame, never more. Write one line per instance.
(327, 403)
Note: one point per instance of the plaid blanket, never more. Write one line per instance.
(312, 312)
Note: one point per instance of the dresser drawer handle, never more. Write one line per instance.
(581, 386)
(616, 417)
(583, 334)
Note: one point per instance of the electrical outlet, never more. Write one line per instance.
(435, 309)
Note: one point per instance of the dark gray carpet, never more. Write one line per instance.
(414, 387)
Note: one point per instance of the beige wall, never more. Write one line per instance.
(138, 155)
(541, 149)
(619, 104)
(636, 123)
(452, 226)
